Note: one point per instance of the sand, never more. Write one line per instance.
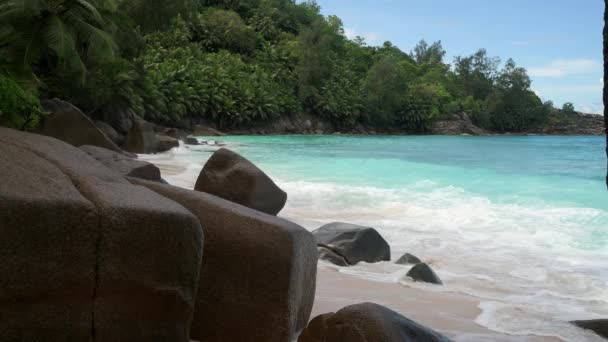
(450, 313)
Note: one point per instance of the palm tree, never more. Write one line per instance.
(54, 33)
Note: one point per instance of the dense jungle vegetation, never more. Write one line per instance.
(236, 62)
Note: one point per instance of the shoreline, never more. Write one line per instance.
(453, 314)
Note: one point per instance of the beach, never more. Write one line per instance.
(519, 257)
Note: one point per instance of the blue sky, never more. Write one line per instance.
(558, 41)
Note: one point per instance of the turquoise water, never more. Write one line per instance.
(519, 222)
(532, 171)
(560, 170)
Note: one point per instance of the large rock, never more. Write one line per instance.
(599, 326)
(141, 137)
(191, 141)
(353, 243)
(119, 118)
(232, 177)
(423, 272)
(165, 143)
(86, 255)
(110, 132)
(205, 131)
(367, 322)
(258, 274)
(124, 165)
(457, 124)
(67, 123)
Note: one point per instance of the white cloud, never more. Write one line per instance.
(564, 67)
(350, 33)
(370, 37)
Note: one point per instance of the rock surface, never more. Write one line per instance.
(329, 255)
(408, 259)
(124, 165)
(67, 123)
(367, 322)
(141, 137)
(353, 243)
(599, 326)
(423, 272)
(80, 250)
(257, 281)
(165, 143)
(205, 131)
(191, 141)
(573, 124)
(234, 178)
(111, 133)
(457, 124)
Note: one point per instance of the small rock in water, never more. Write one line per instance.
(598, 326)
(408, 259)
(191, 141)
(423, 272)
(352, 242)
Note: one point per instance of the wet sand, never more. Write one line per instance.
(450, 313)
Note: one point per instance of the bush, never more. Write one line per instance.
(19, 107)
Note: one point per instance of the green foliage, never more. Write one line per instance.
(54, 33)
(568, 108)
(239, 62)
(19, 107)
(154, 15)
(218, 29)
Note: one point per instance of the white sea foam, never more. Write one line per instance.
(522, 259)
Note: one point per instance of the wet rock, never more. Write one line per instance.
(191, 141)
(423, 272)
(352, 242)
(408, 259)
(331, 256)
(234, 178)
(165, 143)
(598, 326)
(367, 322)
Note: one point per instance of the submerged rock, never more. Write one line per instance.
(80, 250)
(423, 272)
(234, 178)
(599, 326)
(257, 280)
(67, 123)
(124, 165)
(353, 243)
(367, 322)
(408, 259)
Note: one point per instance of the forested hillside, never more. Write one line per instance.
(238, 62)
